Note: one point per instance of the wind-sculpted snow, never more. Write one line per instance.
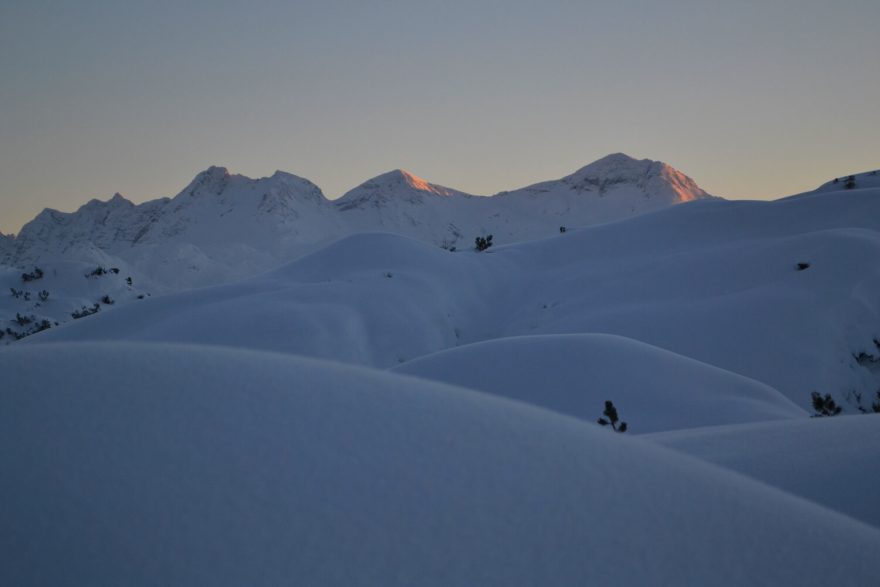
(832, 461)
(137, 464)
(574, 374)
(715, 281)
(373, 299)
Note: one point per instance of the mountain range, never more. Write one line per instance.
(223, 226)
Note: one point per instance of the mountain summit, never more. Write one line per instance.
(618, 172)
(394, 186)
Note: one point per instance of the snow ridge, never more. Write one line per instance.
(224, 226)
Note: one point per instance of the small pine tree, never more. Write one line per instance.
(850, 182)
(612, 418)
(824, 405)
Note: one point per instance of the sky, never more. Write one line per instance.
(752, 99)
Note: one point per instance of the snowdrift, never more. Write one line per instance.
(832, 461)
(375, 299)
(142, 464)
(574, 374)
(780, 292)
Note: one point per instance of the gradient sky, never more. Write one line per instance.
(753, 99)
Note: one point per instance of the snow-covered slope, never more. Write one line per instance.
(223, 227)
(715, 281)
(59, 291)
(612, 188)
(171, 465)
(574, 374)
(857, 181)
(401, 203)
(219, 228)
(375, 299)
(831, 461)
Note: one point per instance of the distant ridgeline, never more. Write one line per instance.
(223, 227)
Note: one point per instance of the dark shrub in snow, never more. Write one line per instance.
(824, 405)
(611, 414)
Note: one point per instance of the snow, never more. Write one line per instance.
(831, 461)
(223, 227)
(868, 179)
(71, 286)
(368, 408)
(713, 281)
(220, 228)
(144, 464)
(574, 374)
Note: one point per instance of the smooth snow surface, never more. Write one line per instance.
(832, 461)
(713, 281)
(136, 464)
(574, 374)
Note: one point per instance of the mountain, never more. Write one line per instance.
(402, 203)
(220, 227)
(393, 187)
(610, 189)
(615, 186)
(223, 227)
(383, 411)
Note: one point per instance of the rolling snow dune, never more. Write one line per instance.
(652, 389)
(142, 464)
(715, 281)
(832, 461)
(374, 299)
(718, 282)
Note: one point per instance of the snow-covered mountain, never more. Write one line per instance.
(781, 292)
(382, 411)
(223, 227)
(220, 227)
(612, 188)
